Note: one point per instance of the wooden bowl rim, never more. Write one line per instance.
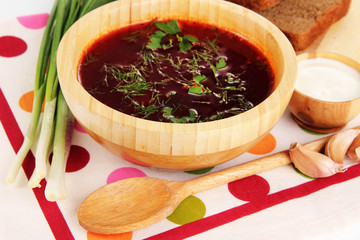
(284, 83)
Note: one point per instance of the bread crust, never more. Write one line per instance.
(256, 4)
(302, 36)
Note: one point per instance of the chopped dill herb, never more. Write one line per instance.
(133, 36)
(203, 55)
(89, 58)
(217, 116)
(193, 63)
(133, 88)
(146, 111)
(148, 58)
(94, 90)
(212, 46)
(177, 64)
(177, 77)
(233, 88)
(127, 74)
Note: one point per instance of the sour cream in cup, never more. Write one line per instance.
(327, 91)
(328, 80)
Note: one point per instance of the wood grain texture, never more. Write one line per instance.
(202, 144)
(341, 38)
(120, 207)
(324, 116)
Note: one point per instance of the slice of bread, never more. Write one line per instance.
(302, 21)
(256, 4)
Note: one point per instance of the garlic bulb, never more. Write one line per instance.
(312, 163)
(339, 144)
(354, 150)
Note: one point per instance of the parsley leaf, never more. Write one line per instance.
(192, 115)
(171, 27)
(186, 42)
(198, 89)
(155, 40)
(199, 78)
(221, 63)
(191, 39)
(167, 112)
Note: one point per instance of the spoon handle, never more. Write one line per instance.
(247, 169)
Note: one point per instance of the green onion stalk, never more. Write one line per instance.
(51, 130)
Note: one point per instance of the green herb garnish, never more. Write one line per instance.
(168, 113)
(89, 58)
(55, 127)
(146, 111)
(213, 47)
(199, 78)
(186, 42)
(155, 40)
(221, 63)
(197, 87)
(170, 28)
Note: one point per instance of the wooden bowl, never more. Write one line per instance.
(169, 145)
(319, 115)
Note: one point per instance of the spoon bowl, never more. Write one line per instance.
(147, 199)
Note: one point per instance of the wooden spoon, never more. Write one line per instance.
(133, 203)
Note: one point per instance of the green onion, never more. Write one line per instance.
(52, 131)
(39, 93)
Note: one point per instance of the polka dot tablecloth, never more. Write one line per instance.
(278, 204)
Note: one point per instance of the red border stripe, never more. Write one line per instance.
(246, 209)
(51, 210)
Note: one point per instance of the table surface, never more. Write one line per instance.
(297, 208)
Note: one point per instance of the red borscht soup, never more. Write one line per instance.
(176, 71)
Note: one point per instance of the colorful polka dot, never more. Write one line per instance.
(189, 210)
(78, 158)
(200, 171)
(78, 127)
(34, 21)
(311, 132)
(266, 145)
(123, 173)
(252, 189)
(11, 46)
(26, 102)
(120, 236)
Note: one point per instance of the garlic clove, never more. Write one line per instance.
(339, 143)
(312, 163)
(354, 150)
